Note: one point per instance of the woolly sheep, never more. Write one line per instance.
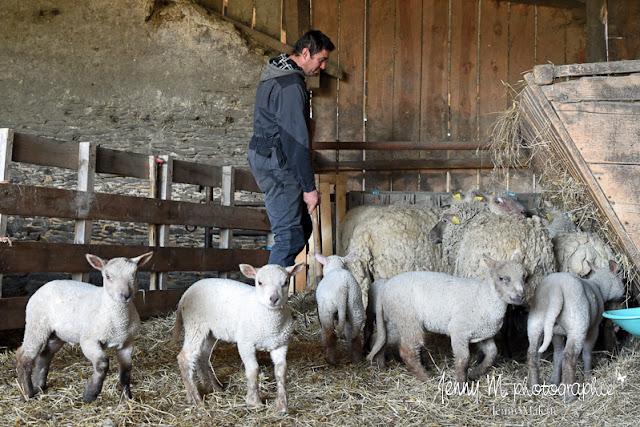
(350, 221)
(374, 291)
(391, 241)
(95, 317)
(568, 307)
(468, 310)
(256, 318)
(575, 251)
(339, 297)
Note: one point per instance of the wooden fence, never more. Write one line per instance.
(156, 209)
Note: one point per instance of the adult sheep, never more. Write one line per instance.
(391, 241)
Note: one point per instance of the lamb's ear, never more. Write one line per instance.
(321, 259)
(249, 271)
(350, 258)
(96, 262)
(517, 255)
(142, 259)
(592, 266)
(613, 266)
(487, 260)
(295, 269)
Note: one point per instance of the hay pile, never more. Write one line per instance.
(318, 394)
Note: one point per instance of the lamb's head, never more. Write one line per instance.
(508, 278)
(334, 262)
(271, 282)
(119, 275)
(608, 281)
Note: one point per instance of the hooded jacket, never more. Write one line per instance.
(280, 118)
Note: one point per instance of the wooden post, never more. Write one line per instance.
(6, 153)
(86, 179)
(227, 199)
(596, 45)
(341, 208)
(325, 217)
(165, 186)
(160, 180)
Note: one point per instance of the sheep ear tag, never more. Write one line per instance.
(479, 198)
(456, 196)
(549, 217)
(455, 220)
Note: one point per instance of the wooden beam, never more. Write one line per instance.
(544, 74)
(397, 165)
(397, 145)
(54, 202)
(332, 68)
(40, 257)
(561, 4)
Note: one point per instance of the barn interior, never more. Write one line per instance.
(148, 105)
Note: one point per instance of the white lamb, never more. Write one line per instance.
(468, 310)
(256, 318)
(566, 306)
(339, 298)
(95, 317)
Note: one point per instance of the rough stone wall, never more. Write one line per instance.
(151, 77)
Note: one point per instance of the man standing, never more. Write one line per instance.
(280, 149)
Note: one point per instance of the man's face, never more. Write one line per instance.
(313, 64)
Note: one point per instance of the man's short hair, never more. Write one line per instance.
(315, 41)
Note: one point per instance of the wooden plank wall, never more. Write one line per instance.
(429, 70)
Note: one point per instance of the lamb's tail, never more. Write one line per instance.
(551, 314)
(177, 328)
(381, 330)
(342, 316)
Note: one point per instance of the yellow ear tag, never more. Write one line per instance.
(549, 217)
(479, 198)
(456, 196)
(455, 220)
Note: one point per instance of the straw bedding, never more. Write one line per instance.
(318, 394)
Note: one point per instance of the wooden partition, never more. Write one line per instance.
(85, 205)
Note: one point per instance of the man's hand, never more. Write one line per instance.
(312, 199)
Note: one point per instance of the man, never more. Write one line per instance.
(280, 150)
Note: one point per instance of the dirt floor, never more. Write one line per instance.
(319, 394)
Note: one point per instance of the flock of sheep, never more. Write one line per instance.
(415, 270)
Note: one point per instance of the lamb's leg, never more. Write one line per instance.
(570, 359)
(533, 359)
(93, 351)
(460, 348)
(248, 356)
(124, 369)
(203, 367)
(409, 352)
(354, 342)
(24, 366)
(187, 362)
(558, 355)
(43, 361)
(331, 340)
(592, 336)
(279, 357)
(534, 332)
(490, 351)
